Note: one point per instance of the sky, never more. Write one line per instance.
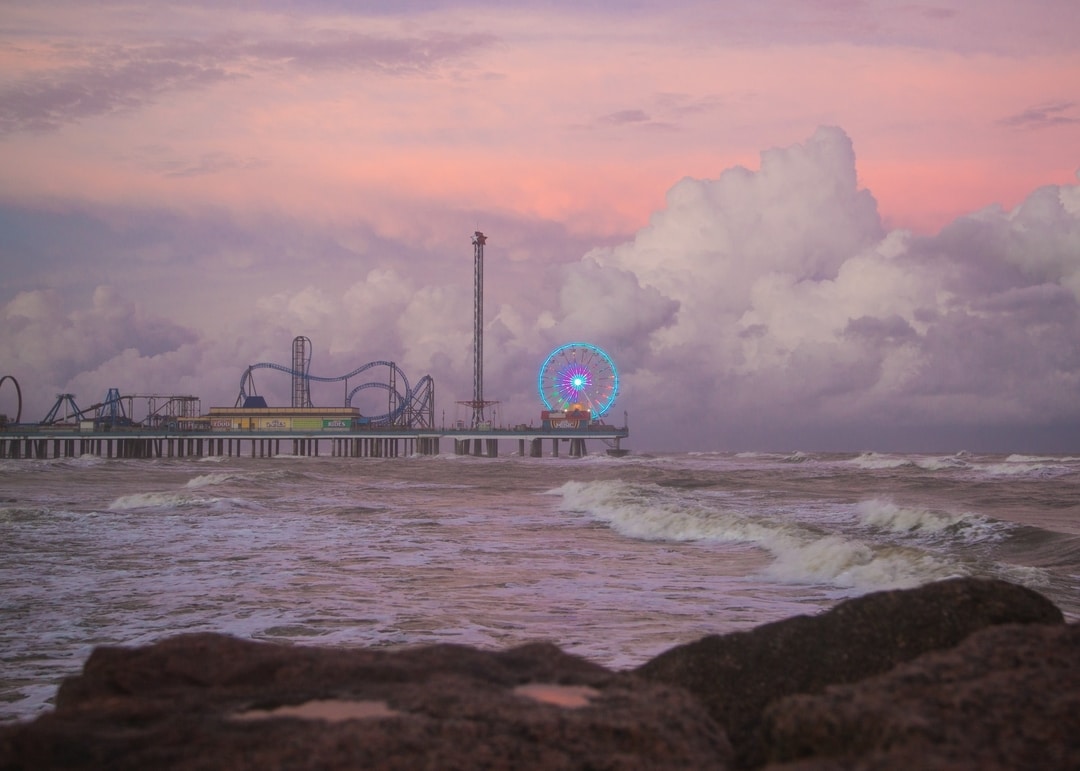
(848, 225)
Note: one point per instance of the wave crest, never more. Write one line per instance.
(801, 554)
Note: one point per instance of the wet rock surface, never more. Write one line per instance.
(215, 702)
(959, 674)
(737, 675)
(1007, 697)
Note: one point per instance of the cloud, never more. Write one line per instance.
(799, 316)
(381, 54)
(1042, 116)
(107, 78)
(215, 163)
(47, 101)
(47, 347)
(626, 116)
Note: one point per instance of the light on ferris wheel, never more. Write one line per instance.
(578, 374)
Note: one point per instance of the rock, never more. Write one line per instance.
(214, 702)
(1006, 697)
(737, 675)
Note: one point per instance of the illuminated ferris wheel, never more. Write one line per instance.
(579, 376)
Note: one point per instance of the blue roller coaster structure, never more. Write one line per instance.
(407, 405)
(160, 410)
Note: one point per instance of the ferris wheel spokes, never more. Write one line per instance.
(581, 376)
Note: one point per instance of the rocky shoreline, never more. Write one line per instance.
(965, 673)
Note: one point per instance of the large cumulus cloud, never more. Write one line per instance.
(801, 321)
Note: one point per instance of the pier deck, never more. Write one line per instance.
(390, 442)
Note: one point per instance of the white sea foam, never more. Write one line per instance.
(176, 500)
(942, 463)
(149, 501)
(1017, 468)
(217, 478)
(1018, 458)
(1030, 576)
(801, 554)
(874, 461)
(857, 565)
(887, 515)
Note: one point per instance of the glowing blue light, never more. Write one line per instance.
(578, 375)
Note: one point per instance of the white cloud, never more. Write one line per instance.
(798, 315)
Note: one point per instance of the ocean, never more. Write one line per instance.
(613, 559)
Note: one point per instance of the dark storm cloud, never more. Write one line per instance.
(393, 56)
(1039, 304)
(872, 329)
(47, 101)
(626, 116)
(1041, 116)
(116, 77)
(638, 119)
(214, 163)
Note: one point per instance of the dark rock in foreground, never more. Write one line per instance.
(737, 675)
(960, 674)
(1007, 697)
(214, 702)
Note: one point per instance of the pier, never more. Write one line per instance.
(577, 385)
(33, 442)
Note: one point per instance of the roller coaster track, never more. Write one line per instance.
(158, 408)
(18, 393)
(410, 407)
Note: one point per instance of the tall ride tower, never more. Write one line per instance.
(479, 239)
(478, 404)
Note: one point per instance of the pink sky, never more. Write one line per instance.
(557, 129)
(575, 116)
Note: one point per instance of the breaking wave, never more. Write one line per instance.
(217, 478)
(888, 516)
(1030, 465)
(177, 500)
(801, 553)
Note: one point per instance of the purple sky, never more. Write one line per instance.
(793, 225)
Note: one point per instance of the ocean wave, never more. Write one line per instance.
(942, 463)
(22, 514)
(1018, 458)
(889, 516)
(152, 501)
(875, 461)
(858, 565)
(178, 500)
(1027, 575)
(81, 461)
(801, 553)
(1029, 465)
(216, 478)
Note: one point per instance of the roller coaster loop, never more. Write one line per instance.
(412, 407)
